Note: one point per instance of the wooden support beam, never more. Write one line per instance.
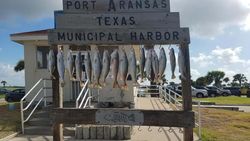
(57, 128)
(124, 117)
(186, 91)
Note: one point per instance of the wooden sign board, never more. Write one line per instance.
(122, 20)
(124, 117)
(119, 36)
(117, 6)
(119, 117)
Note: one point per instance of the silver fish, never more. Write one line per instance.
(172, 62)
(162, 62)
(70, 64)
(97, 68)
(51, 63)
(148, 64)
(155, 65)
(132, 65)
(114, 67)
(123, 67)
(142, 62)
(106, 65)
(60, 66)
(181, 63)
(88, 67)
(78, 66)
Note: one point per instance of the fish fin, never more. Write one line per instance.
(173, 76)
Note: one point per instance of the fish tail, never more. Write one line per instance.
(135, 84)
(124, 87)
(53, 77)
(62, 83)
(115, 84)
(173, 76)
(81, 84)
(90, 85)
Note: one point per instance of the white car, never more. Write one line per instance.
(199, 93)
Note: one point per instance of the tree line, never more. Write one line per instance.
(218, 77)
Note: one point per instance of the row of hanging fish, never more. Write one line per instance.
(119, 63)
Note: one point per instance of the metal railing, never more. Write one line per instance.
(146, 90)
(33, 101)
(84, 97)
(173, 98)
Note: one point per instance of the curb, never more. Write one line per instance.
(10, 136)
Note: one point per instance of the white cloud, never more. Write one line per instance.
(246, 24)
(8, 74)
(28, 9)
(208, 18)
(195, 74)
(228, 60)
(203, 60)
(229, 55)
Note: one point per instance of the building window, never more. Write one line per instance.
(41, 57)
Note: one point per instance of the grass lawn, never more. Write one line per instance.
(223, 125)
(2, 96)
(9, 120)
(231, 100)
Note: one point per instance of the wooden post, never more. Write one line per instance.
(186, 90)
(57, 100)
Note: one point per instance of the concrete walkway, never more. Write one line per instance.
(143, 133)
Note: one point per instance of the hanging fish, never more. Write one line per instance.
(60, 66)
(97, 68)
(181, 64)
(155, 65)
(132, 65)
(142, 62)
(172, 62)
(88, 67)
(70, 64)
(162, 63)
(114, 67)
(106, 65)
(123, 68)
(78, 66)
(51, 63)
(148, 64)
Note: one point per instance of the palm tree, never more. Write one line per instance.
(241, 78)
(216, 77)
(19, 66)
(4, 83)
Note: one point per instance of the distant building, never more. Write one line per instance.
(36, 49)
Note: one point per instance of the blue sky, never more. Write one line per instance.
(220, 31)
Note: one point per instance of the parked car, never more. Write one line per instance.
(233, 90)
(222, 92)
(211, 92)
(199, 93)
(3, 91)
(15, 95)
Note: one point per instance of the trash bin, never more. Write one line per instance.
(11, 106)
